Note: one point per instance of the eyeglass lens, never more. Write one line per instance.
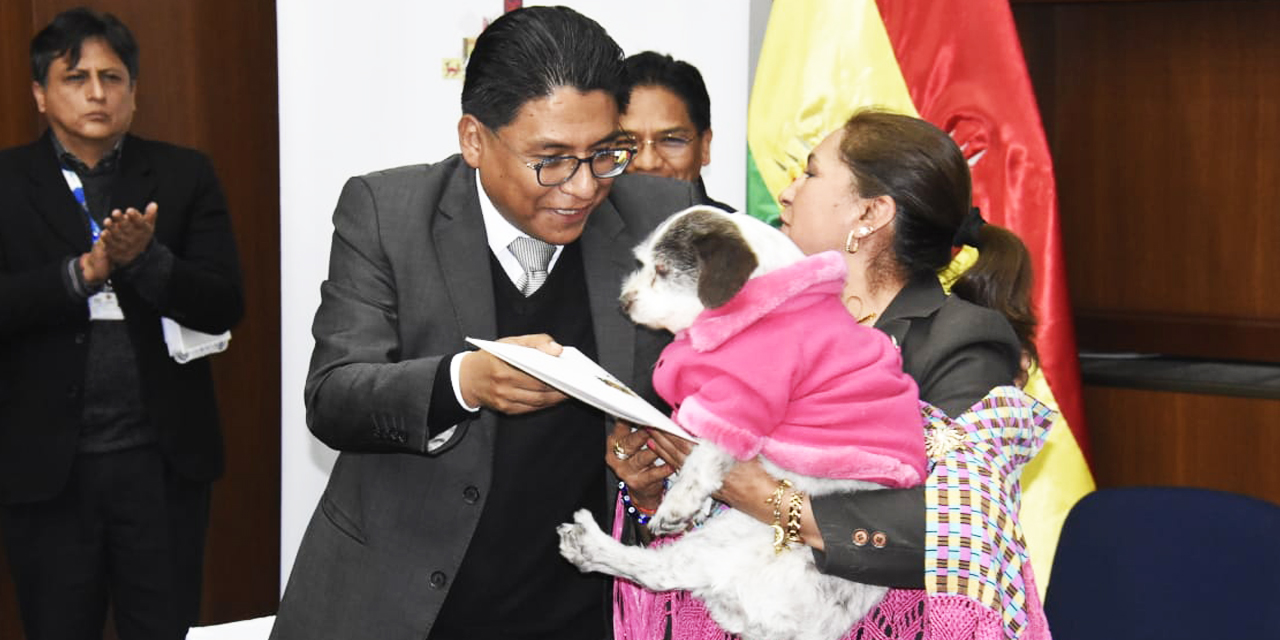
(606, 163)
(668, 146)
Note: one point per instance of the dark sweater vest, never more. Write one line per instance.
(513, 584)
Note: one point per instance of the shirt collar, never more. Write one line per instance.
(70, 161)
(501, 232)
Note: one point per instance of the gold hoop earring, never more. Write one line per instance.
(852, 242)
(855, 238)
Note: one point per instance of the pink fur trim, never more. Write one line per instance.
(818, 458)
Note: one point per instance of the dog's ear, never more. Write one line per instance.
(725, 262)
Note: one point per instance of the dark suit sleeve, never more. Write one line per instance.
(194, 276)
(360, 395)
(36, 297)
(956, 358)
(896, 513)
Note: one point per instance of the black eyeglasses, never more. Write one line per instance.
(605, 163)
(557, 170)
(668, 146)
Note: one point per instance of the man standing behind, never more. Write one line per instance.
(107, 445)
(668, 115)
(455, 469)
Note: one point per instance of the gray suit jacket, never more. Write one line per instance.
(409, 278)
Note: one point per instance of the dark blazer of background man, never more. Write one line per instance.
(437, 522)
(107, 445)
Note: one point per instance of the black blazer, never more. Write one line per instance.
(956, 352)
(44, 330)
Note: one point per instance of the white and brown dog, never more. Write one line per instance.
(766, 363)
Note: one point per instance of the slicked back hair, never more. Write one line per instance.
(653, 69)
(926, 174)
(529, 53)
(67, 33)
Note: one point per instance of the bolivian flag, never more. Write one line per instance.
(957, 64)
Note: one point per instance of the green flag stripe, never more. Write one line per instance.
(760, 203)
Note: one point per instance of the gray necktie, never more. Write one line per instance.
(533, 255)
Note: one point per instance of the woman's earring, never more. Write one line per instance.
(854, 240)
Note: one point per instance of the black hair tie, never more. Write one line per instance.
(970, 231)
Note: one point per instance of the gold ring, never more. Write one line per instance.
(619, 452)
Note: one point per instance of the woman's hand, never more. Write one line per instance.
(671, 449)
(747, 487)
(628, 453)
(744, 483)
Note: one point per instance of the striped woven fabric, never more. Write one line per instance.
(974, 544)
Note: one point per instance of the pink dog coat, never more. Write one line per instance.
(782, 370)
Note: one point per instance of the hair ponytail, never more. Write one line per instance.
(1001, 279)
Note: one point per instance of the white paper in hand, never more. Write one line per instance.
(580, 377)
(186, 344)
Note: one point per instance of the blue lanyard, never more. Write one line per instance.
(77, 190)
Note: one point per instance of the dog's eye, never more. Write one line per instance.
(661, 270)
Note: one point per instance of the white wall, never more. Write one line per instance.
(361, 88)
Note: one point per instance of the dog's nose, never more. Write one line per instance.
(626, 300)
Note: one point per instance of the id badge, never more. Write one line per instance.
(105, 306)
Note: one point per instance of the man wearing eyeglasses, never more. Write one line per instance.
(668, 116)
(439, 518)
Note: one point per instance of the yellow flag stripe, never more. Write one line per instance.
(820, 62)
(1051, 484)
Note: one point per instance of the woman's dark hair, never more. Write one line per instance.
(922, 169)
(653, 69)
(529, 53)
(69, 30)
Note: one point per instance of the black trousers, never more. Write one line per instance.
(125, 530)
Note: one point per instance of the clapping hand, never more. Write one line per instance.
(127, 233)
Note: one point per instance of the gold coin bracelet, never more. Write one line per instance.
(779, 533)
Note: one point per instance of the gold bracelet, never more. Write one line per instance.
(794, 507)
(779, 533)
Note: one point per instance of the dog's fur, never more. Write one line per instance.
(700, 258)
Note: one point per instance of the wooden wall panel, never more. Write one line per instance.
(208, 81)
(1164, 118)
(18, 125)
(1144, 437)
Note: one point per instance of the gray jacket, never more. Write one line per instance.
(409, 278)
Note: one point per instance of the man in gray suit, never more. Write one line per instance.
(439, 517)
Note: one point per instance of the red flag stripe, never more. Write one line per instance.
(965, 71)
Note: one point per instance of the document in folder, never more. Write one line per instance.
(580, 377)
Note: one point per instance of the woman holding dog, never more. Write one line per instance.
(892, 193)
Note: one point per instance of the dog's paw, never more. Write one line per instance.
(682, 504)
(671, 519)
(580, 541)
